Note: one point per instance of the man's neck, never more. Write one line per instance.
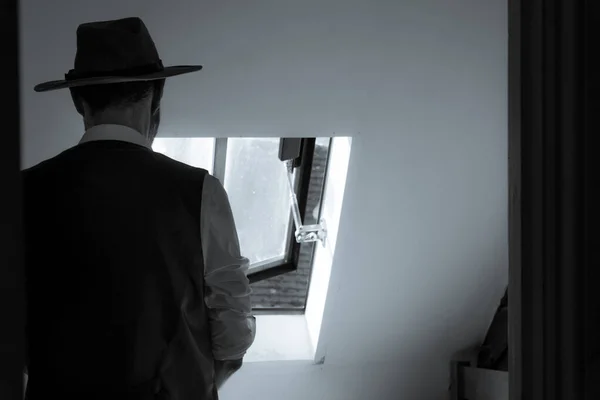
(135, 127)
(131, 118)
(115, 132)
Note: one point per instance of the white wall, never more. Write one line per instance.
(421, 257)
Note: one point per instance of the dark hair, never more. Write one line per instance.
(100, 97)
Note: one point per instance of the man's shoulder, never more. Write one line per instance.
(180, 168)
(194, 176)
(43, 166)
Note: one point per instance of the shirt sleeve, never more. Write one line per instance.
(227, 289)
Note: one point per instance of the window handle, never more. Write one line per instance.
(303, 233)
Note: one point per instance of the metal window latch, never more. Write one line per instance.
(304, 233)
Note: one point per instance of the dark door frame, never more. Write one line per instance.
(550, 199)
(12, 293)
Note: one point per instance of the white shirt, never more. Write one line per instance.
(226, 286)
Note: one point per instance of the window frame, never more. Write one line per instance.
(303, 166)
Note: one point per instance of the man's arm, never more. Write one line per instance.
(227, 287)
(224, 370)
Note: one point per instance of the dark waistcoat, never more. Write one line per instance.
(114, 269)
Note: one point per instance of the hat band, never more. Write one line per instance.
(136, 71)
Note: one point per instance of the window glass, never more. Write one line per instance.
(289, 291)
(256, 182)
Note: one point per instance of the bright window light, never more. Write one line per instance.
(197, 152)
(256, 182)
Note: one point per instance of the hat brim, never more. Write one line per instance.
(102, 80)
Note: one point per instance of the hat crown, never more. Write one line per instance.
(117, 45)
(115, 51)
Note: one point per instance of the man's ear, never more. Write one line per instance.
(77, 101)
(157, 93)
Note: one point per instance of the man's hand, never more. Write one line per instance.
(224, 370)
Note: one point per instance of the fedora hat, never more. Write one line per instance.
(112, 52)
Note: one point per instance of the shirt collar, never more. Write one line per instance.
(114, 132)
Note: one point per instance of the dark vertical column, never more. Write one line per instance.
(12, 299)
(515, 334)
(551, 215)
(591, 178)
